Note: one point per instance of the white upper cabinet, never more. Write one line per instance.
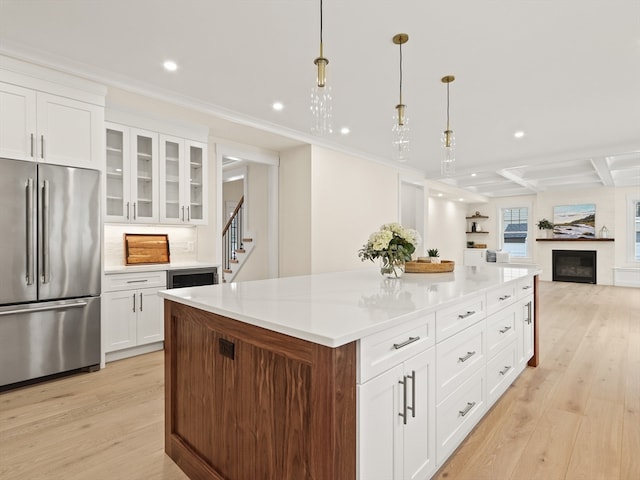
(44, 127)
(153, 177)
(183, 173)
(17, 122)
(131, 175)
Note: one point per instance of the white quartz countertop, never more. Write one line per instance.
(156, 267)
(333, 309)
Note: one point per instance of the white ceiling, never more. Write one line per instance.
(566, 72)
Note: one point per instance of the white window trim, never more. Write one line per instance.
(530, 230)
(631, 229)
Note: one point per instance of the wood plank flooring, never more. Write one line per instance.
(576, 416)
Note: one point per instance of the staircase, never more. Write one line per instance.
(236, 247)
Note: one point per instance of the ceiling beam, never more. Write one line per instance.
(517, 179)
(602, 169)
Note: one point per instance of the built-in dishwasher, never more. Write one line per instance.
(192, 277)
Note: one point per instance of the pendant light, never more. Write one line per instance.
(321, 94)
(400, 127)
(448, 163)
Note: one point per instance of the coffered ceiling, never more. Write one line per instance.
(565, 72)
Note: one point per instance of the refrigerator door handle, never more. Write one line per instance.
(46, 277)
(44, 308)
(30, 231)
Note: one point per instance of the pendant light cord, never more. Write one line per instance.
(448, 106)
(400, 73)
(320, 22)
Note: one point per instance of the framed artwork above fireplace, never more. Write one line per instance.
(574, 221)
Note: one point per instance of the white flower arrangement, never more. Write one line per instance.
(393, 243)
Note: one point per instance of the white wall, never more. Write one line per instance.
(445, 229)
(350, 198)
(295, 212)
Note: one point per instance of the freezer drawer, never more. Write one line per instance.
(45, 338)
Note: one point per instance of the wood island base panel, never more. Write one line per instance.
(341, 376)
(243, 402)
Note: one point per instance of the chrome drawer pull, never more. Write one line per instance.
(465, 315)
(467, 356)
(526, 287)
(397, 346)
(138, 281)
(403, 382)
(505, 330)
(506, 369)
(469, 406)
(504, 297)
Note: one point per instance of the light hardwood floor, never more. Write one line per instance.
(576, 416)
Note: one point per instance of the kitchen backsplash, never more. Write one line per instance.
(183, 242)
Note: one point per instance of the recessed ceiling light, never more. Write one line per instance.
(473, 174)
(344, 130)
(519, 134)
(277, 106)
(461, 199)
(440, 194)
(170, 66)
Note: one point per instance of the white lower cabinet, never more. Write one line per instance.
(133, 311)
(458, 414)
(397, 421)
(524, 332)
(501, 371)
(425, 384)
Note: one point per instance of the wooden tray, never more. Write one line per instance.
(141, 248)
(426, 267)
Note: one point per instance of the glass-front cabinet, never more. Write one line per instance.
(197, 177)
(183, 172)
(131, 175)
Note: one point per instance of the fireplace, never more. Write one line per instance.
(574, 266)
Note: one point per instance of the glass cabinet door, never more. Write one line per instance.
(117, 172)
(144, 187)
(172, 208)
(196, 176)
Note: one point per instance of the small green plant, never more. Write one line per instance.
(433, 252)
(545, 224)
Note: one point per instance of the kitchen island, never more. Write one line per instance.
(340, 375)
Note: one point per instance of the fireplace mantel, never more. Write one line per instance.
(575, 239)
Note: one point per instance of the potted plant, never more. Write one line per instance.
(434, 255)
(546, 225)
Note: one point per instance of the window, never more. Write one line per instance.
(634, 228)
(514, 231)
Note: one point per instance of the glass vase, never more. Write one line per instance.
(391, 267)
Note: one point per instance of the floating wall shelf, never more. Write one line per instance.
(575, 239)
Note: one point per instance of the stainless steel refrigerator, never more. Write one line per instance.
(49, 270)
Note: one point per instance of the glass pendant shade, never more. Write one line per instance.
(321, 110)
(400, 130)
(448, 162)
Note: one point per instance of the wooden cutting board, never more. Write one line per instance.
(141, 248)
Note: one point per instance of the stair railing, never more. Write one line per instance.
(232, 236)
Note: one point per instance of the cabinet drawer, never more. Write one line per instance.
(458, 358)
(458, 414)
(524, 287)
(456, 318)
(134, 280)
(501, 371)
(382, 350)
(500, 297)
(501, 329)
